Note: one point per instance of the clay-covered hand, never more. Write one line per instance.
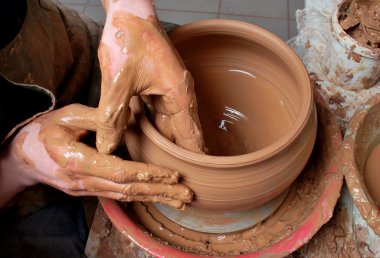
(137, 58)
(49, 150)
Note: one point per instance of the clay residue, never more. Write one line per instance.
(372, 174)
(333, 240)
(105, 240)
(336, 98)
(298, 206)
(361, 20)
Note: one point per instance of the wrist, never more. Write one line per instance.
(12, 178)
(141, 8)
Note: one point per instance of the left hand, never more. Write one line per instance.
(49, 150)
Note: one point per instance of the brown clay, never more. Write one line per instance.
(319, 182)
(361, 20)
(359, 160)
(256, 110)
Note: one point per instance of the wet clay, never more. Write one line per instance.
(319, 184)
(361, 20)
(136, 58)
(372, 174)
(256, 110)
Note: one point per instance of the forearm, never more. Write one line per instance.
(140, 8)
(8, 188)
(12, 180)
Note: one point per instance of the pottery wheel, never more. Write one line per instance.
(306, 207)
(209, 221)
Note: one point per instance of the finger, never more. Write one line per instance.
(116, 92)
(177, 115)
(186, 132)
(74, 116)
(153, 190)
(111, 126)
(82, 159)
(164, 126)
(109, 195)
(95, 184)
(173, 195)
(177, 204)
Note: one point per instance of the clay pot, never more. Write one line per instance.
(361, 138)
(308, 206)
(256, 109)
(346, 62)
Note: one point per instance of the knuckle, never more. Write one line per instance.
(128, 190)
(107, 116)
(118, 176)
(75, 186)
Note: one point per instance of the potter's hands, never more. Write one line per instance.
(136, 58)
(49, 150)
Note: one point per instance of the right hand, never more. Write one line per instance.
(137, 59)
(48, 150)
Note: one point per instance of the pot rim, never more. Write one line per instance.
(251, 32)
(349, 42)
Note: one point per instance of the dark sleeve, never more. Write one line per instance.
(18, 103)
(12, 16)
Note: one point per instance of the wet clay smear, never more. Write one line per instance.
(361, 20)
(372, 174)
(303, 198)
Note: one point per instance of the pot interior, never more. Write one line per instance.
(248, 95)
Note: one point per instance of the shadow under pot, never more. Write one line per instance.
(256, 110)
(360, 161)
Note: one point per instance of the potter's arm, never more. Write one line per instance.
(136, 58)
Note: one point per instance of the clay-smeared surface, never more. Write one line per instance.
(372, 174)
(319, 183)
(361, 20)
